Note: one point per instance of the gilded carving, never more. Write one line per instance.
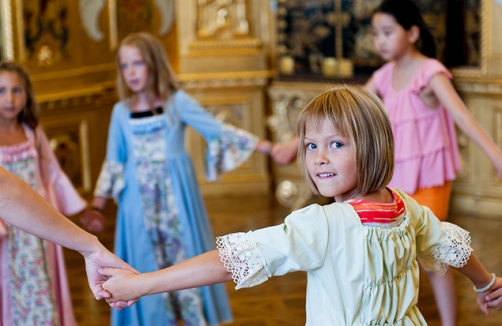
(89, 13)
(45, 28)
(222, 19)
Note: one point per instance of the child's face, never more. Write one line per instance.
(12, 96)
(330, 162)
(390, 39)
(134, 69)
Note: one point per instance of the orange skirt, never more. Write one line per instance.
(436, 198)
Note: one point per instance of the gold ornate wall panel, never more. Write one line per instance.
(223, 35)
(477, 190)
(68, 44)
(224, 63)
(241, 103)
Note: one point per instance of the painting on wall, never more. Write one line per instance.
(309, 31)
(46, 31)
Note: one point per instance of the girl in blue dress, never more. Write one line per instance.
(161, 217)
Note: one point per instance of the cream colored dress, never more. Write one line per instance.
(357, 275)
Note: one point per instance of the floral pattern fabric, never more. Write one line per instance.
(30, 284)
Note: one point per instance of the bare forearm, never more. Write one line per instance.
(476, 272)
(24, 208)
(205, 269)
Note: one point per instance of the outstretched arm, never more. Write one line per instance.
(285, 152)
(24, 208)
(205, 269)
(447, 95)
(479, 276)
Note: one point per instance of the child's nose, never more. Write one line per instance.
(321, 158)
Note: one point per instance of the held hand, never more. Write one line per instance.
(494, 298)
(285, 152)
(99, 259)
(123, 285)
(93, 220)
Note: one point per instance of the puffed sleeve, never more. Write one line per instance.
(111, 178)
(59, 191)
(300, 243)
(439, 244)
(227, 146)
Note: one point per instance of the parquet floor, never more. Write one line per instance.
(281, 300)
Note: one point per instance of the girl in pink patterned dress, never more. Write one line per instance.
(423, 107)
(33, 284)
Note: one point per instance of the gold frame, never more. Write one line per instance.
(6, 14)
(81, 127)
(482, 69)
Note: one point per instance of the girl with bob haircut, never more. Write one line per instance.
(161, 218)
(374, 156)
(360, 252)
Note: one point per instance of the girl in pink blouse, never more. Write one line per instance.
(423, 108)
(33, 283)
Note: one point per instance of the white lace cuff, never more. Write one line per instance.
(242, 257)
(228, 151)
(111, 180)
(453, 250)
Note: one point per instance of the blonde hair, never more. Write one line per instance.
(161, 81)
(361, 116)
(29, 114)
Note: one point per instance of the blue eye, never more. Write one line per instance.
(311, 146)
(138, 63)
(18, 90)
(336, 144)
(123, 66)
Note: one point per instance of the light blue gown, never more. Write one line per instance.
(228, 147)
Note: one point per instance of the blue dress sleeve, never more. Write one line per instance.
(111, 178)
(227, 146)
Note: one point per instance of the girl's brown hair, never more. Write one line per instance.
(361, 116)
(29, 114)
(162, 81)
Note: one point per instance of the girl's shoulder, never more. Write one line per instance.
(430, 68)
(322, 215)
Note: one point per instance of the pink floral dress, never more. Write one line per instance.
(33, 284)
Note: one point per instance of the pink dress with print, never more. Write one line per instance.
(33, 283)
(426, 152)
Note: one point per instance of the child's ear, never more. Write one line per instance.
(413, 34)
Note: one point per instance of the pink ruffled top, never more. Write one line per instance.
(16, 153)
(426, 151)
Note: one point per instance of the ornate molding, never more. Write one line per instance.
(492, 88)
(223, 82)
(199, 45)
(64, 102)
